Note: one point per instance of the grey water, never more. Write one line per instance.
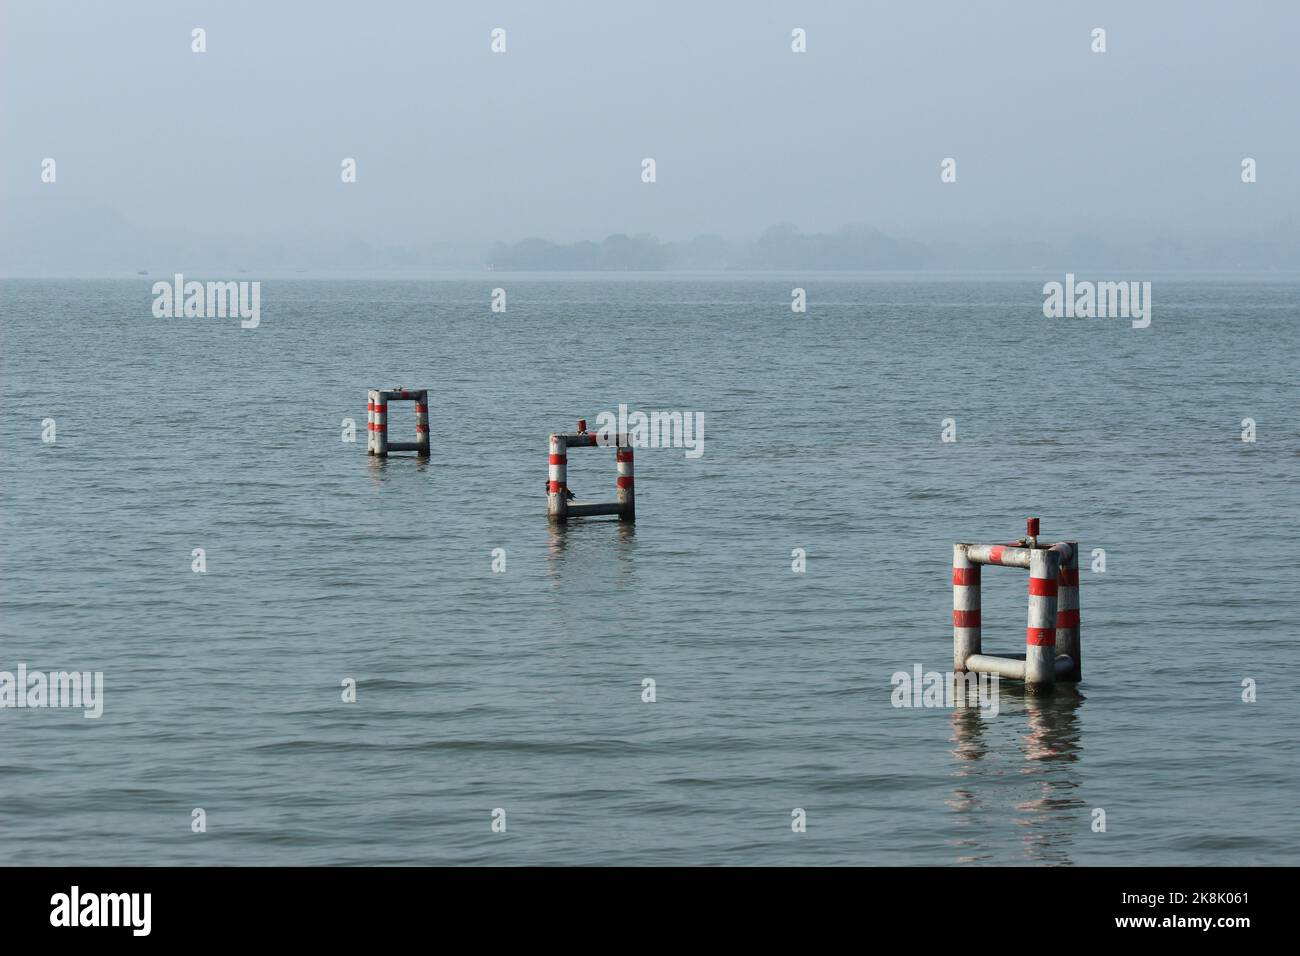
(522, 689)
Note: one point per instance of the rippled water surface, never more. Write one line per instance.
(522, 690)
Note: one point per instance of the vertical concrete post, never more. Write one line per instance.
(381, 424)
(377, 423)
(1067, 613)
(557, 502)
(965, 607)
(422, 424)
(370, 422)
(626, 489)
(1040, 635)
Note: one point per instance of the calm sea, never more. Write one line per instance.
(522, 690)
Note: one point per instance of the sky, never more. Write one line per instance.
(241, 146)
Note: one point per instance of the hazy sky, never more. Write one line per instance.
(454, 142)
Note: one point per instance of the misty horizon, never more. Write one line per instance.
(116, 250)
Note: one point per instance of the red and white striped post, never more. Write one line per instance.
(377, 442)
(377, 428)
(965, 607)
(1040, 635)
(422, 424)
(557, 502)
(1067, 614)
(626, 490)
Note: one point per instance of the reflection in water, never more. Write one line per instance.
(378, 464)
(1019, 769)
(970, 748)
(597, 533)
(1053, 814)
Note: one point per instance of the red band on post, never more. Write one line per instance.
(1041, 636)
(624, 481)
(555, 487)
(1042, 587)
(966, 577)
(1067, 618)
(966, 618)
(559, 459)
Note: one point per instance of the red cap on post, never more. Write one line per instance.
(1032, 527)
(582, 425)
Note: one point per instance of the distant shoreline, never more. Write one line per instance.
(773, 275)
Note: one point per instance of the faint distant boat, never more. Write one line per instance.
(142, 272)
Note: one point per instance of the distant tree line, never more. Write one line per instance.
(781, 247)
(619, 252)
(784, 247)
